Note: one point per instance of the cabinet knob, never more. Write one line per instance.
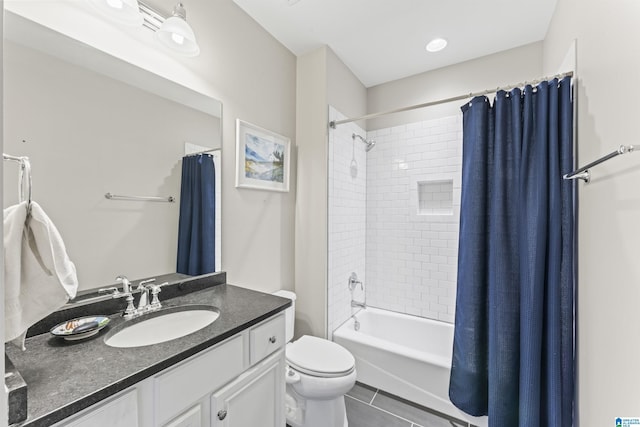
(222, 415)
(272, 339)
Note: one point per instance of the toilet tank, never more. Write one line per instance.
(290, 313)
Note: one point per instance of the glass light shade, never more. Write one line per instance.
(123, 11)
(176, 34)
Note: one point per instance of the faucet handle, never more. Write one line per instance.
(142, 283)
(126, 284)
(353, 282)
(115, 293)
(155, 290)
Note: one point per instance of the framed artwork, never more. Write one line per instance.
(262, 158)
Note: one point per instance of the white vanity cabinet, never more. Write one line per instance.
(239, 382)
(256, 398)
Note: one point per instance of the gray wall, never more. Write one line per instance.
(322, 80)
(256, 77)
(311, 204)
(344, 91)
(607, 37)
(503, 68)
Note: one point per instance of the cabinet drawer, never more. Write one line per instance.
(179, 387)
(266, 338)
(121, 411)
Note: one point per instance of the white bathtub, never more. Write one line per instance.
(404, 355)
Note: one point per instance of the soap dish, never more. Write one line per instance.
(80, 328)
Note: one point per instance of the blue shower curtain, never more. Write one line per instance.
(513, 357)
(196, 226)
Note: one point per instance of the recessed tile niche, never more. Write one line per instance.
(435, 197)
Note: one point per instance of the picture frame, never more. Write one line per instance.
(262, 158)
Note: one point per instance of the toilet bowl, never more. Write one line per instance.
(318, 374)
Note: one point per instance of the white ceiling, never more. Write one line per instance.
(384, 40)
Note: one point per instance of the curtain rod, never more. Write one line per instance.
(211, 150)
(334, 123)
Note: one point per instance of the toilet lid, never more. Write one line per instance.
(319, 357)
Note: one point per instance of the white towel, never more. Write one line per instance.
(39, 278)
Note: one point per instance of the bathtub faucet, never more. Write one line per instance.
(353, 282)
(358, 304)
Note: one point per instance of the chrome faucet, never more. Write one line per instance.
(126, 284)
(353, 283)
(129, 312)
(144, 305)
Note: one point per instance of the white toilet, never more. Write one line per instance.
(319, 373)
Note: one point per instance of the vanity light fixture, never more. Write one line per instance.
(436, 45)
(125, 12)
(172, 31)
(176, 34)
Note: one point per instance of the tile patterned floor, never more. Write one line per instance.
(368, 407)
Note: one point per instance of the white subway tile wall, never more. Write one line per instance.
(347, 218)
(412, 250)
(394, 218)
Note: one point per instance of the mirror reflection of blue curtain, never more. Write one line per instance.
(196, 226)
(513, 354)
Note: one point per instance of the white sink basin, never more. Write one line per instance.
(161, 326)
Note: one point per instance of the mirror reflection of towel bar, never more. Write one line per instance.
(169, 199)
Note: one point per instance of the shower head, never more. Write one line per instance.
(369, 142)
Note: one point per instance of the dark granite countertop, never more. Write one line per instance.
(64, 377)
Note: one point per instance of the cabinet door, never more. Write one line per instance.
(190, 418)
(180, 387)
(255, 398)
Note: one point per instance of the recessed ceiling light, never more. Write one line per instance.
(436, 45)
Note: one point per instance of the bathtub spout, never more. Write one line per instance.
(358, 304)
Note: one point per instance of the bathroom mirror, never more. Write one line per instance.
(93, 124)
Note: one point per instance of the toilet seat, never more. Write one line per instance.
(319, 357)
